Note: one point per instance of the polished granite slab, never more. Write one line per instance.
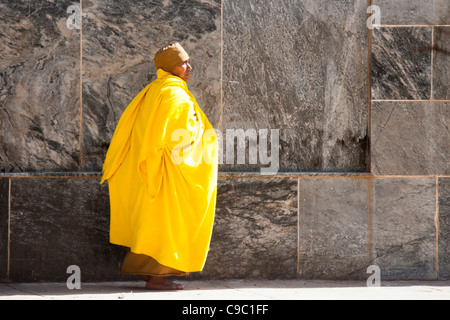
(255, 231)
(401, 63)
(301, 68)
(404, 229)
(40, 91)
(410, 138)
(334, 228)
(56, 223)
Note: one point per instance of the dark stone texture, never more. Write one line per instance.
(4, 217)
(444, 228)
(441, 64)
(299, 72)
(334, 229)
(39, 87)
(401, 64)
(56, 223)
(255, 232)
(410, 138)
(404, 228)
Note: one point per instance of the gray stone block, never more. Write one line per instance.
(255, 231)
(404, 228)
(410, 138)
(40, 91)
(59, 222)
(334, 234)
(300, 73)
(401, 64)
(444, 228)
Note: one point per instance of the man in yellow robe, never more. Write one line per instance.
(161, 168)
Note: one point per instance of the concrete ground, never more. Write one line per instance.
(233, 290)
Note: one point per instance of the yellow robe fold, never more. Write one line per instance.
(161, 168)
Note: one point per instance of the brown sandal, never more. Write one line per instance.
(161, 283)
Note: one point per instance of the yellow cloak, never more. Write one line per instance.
(161, 168)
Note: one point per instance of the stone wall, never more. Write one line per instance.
(363, 118)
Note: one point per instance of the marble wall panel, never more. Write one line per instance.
(4, 218)
(40, 87)
(120, 39)
(407, 12)
(334, 233)
(255, 232)
(410, 138)
(441, 64)
(302, 68)
(59, 222)
(401, 64)
(444, 228)
(404, 227)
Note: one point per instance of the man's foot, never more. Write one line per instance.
(161, 283)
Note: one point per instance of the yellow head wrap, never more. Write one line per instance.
(170, 57)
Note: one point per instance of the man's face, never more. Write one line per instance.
(183, 71)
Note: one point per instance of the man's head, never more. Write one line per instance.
(174, 59)
(183, 70)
